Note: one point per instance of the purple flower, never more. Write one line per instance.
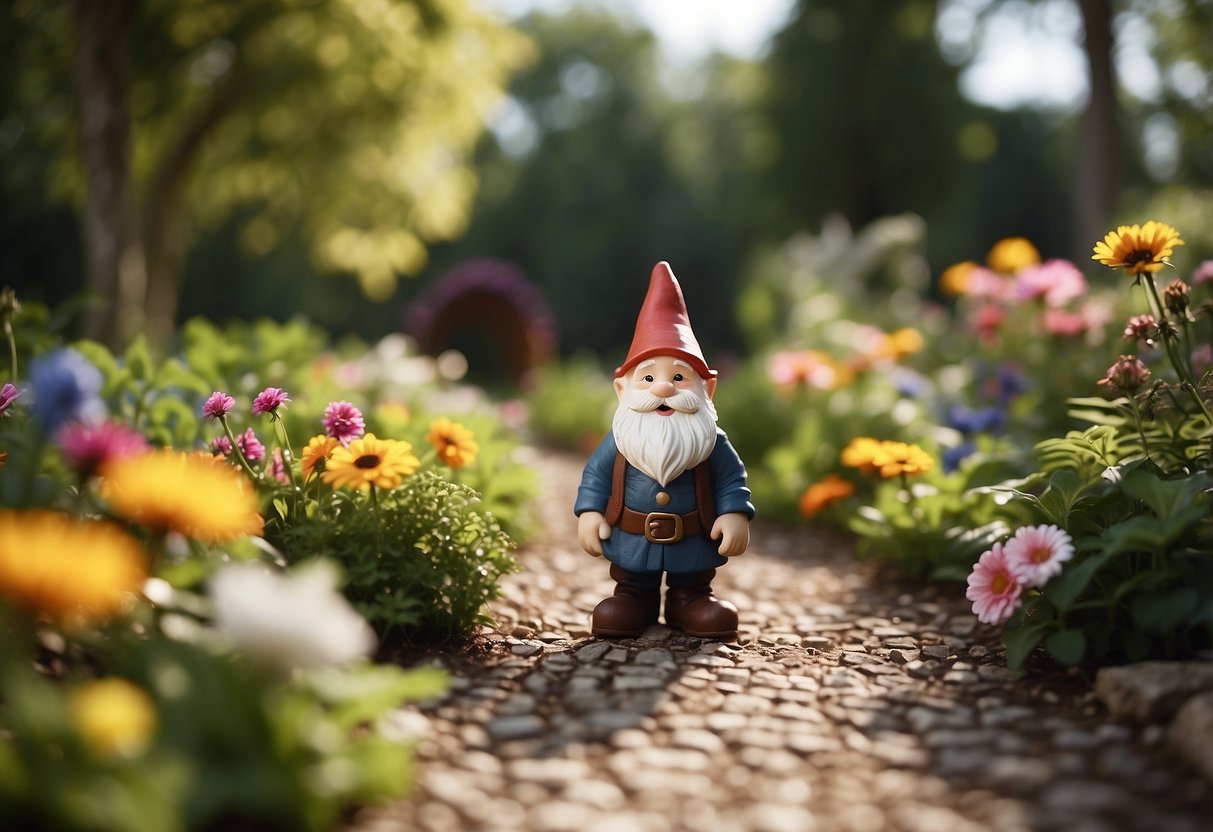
(66, 388)
(217, 406)
(269, 400)
(221, 446)
(87, 447)
(343, 422)
(251, 446)
(7, 393)
(278, 467)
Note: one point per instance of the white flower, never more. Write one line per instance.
(1035, 554)
(296, 619)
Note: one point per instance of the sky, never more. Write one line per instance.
(1027, 53)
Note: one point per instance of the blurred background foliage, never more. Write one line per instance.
(302, 156)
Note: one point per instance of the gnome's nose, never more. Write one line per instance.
(662, 389)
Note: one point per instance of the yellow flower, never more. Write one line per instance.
(1137, 248)
(454, 443)
(817, 496)
(114, 717)
(899, 344)
(955, 279)
(861, 453)
(69, 570)
(1012, 255)
(197, 495)
(895, 459)
(318, 450)
(370, 461)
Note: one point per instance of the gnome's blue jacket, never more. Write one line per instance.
(633, 552)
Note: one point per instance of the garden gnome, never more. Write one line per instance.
(664, 493)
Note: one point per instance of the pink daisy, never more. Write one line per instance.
(251, 446)
(269, 400)
(343, 422)
(217, 406)
(221, 446)
(1035, 554)
(87, 447)
(994, 591)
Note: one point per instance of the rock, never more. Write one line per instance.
(1192, 732)
(515, 727)
(1151, 691)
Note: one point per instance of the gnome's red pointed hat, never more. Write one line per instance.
(663, 327)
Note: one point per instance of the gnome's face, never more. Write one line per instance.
(665, 423)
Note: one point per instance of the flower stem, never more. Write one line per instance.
(231, 437)
(1145, 441)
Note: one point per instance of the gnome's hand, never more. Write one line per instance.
(592, 529)
(733, 532)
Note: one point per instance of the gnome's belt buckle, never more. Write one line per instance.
(657, 523)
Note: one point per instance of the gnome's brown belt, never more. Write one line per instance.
(660, 526)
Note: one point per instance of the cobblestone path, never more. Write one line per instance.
(850, 702)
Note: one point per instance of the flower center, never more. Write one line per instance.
(367, 461)
(1039, 554)
(1141, 255)
(999, 583)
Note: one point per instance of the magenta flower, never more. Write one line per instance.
(993, 589)
(269, 400)
(343, 422)
(277, 468)
(87, 447)
(1035, 554)
(7, 394)
(221, 446)
(1128, 375)
(250, 446)
(217, 406)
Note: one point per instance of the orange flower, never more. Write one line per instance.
(895, 459)
(454, 443)
(370, 461)
(1137, 249)
(817, 496)
(861, 454)
(318, 450)
(955, 279)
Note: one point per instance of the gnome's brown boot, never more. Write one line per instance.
(692, 608)
(630, 611)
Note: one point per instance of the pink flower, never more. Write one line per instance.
(87, 447)
(1063, 323)
(1035, 554)
(1203, 273)
(217, 406)
(221, 446)
(1056, 282)
(278, 467)
(251, 446)
(7, 393)
(985, 284)
(1202, 360)
(994, 591)
(1142, 328)
(269, 400)
(987, 321)
(1128, 375)
(343, 422)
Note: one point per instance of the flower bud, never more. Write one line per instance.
(1128, 375)
(1177, 296)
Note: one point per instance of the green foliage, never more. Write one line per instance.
(571, 405)
(421, 560)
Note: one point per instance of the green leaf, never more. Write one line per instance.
(1066, 587)
(1067, 646)
(1020, 641)
(1149, 534)
(1136, 644)
(1163, 612)
(139, 359)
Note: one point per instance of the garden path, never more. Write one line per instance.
(851, 701)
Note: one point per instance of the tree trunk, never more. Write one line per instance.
(1098, 165)
(114, 269)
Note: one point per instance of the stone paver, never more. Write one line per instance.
(851, 701)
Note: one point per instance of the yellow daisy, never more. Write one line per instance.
(114, 717)
(1137, 249)
(1012, 255)
(370, 461)
(860, 453)
(196, 495)
(454, 443)
(68, 570)
(315, 456)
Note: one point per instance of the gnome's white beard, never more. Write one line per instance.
(665, 446)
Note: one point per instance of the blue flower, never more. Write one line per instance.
(969, 421)
(65, 387)
(952, 457)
